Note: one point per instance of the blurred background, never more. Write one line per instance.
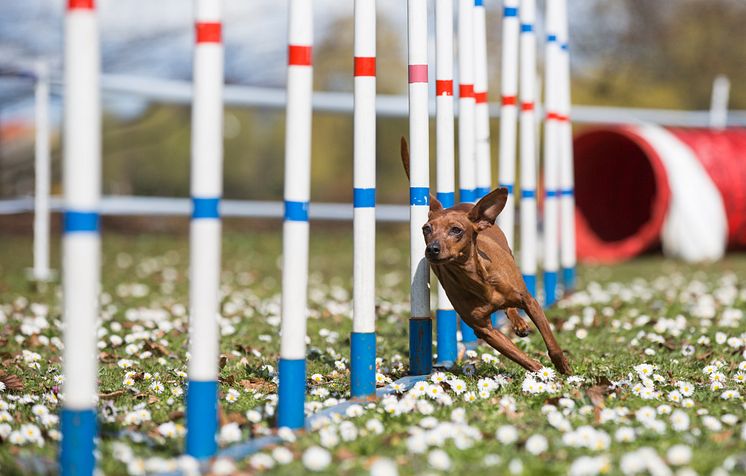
(660, 54)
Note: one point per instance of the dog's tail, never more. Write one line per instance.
(405, 155)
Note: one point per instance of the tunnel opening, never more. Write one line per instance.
(621, 195)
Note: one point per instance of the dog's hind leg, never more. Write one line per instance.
(506, 347)
(520, 327)
(534, 311)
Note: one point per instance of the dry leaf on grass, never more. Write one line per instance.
(12, 382)
(111, 395)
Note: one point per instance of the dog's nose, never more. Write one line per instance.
(433, 249)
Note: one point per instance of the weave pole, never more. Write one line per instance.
(551, 153)
(566, 180)
(483, 162)
(508, 114)
(527, 129)
(363, 340)
(466, 119)
(292, 367)
(420, 323)
(81, 241)
(205, 231)
(41, 272)
(445, 315)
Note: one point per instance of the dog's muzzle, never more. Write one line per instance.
(433, 250)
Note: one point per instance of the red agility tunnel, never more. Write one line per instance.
(637, 187)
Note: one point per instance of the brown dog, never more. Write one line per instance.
(471, 258)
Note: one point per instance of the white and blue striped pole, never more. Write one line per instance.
(483, 162)
(566, 169)
(81, 242)
(483, 159)
(420, 322)
(466, 118)
(363, 340)
(292, 368)
(205, 231)
(527, 90)
(508, 114)
(445, 316)
(553, 118)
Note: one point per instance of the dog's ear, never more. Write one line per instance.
(405, 155)
(484, 213)
(435, 206)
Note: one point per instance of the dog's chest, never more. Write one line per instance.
(465, 288)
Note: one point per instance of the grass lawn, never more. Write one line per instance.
(657, 348)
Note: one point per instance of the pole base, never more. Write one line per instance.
(362, 364)
(79, 429)
(201, 418)
(291, 394)
(420, 346)
(550, 288)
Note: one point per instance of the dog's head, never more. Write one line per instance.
(449, 233)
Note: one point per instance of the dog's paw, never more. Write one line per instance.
(561, 363)
(521, 328)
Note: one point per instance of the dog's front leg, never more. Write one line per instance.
(534, 311)
(506, 347)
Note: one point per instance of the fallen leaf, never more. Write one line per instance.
(157, 347)
(344, 453)
(722, 436)
(12, 382)
(258, 384)
(111, 395)
(597, 395)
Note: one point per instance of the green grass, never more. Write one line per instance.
(145, 286)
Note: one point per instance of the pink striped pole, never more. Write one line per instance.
(483, 167)
(363, 339)
(527, 76)
(445, 315)
(466, 119)
(205, 231)
(552, 122)
(292, 367)
(566, 169)
(420, 323)
(508, 114)
(81, 241)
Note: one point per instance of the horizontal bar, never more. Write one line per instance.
(180, 92)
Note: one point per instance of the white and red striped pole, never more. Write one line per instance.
(566, 168)
(466, 118)
(420, 322)
(553, 118)
(292, 367)
(527, 89)
(444, 141)
(466, 103)
(483, 162)
(363, 340)
(205, 230)
(508, 114)
(81, 241)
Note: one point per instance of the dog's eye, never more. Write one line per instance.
(456, 231)
(427, 230)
